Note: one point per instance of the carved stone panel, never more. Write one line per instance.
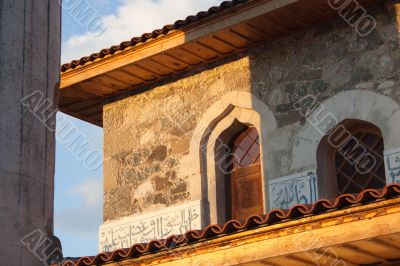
(285, 192)
(143, 228)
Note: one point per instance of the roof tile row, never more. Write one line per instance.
(146, 36)
(233, 226)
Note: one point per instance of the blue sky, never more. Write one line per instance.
(78, 190)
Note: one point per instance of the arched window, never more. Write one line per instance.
(244, 181)
(351, 157)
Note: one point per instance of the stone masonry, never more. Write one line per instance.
(147, 135)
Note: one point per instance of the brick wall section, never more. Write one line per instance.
(141, 172)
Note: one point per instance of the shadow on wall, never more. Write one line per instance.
(347, 75)
(291, 80)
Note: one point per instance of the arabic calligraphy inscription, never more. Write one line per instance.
(131, 230)
(288, 191)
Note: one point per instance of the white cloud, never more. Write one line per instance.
(133, 18)
(84, 218)
(90, 190)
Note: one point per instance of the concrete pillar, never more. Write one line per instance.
(29, 62)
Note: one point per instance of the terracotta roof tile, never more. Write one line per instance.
(154, 34)
(233, 226)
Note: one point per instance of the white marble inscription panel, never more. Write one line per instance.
(301, 188)
(392, 166)
(143, 228)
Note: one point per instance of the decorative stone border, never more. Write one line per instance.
(199, 165)
(143, 228)
(301, 188)
(369, 106)
(392, 165)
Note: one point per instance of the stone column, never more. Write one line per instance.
(29, 66)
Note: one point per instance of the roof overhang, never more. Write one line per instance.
(85, 89)
(361, 235)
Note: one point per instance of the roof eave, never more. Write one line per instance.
(85, 89)
(291, 242)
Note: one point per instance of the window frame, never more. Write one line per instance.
(355, 127)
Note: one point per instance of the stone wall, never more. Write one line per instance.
(148, 136)
(141, 172)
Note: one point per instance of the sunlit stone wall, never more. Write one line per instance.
(148, 135)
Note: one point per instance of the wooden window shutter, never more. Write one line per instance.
(245, 178)
(247, 199)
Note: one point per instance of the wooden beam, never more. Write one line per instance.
(329, 257)
(150, 71)
(387, 244)
(247, 39)
(363, 252)
(212, 49)
(204, 60)
(257, 29)
(226, 42)
(187, 64)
